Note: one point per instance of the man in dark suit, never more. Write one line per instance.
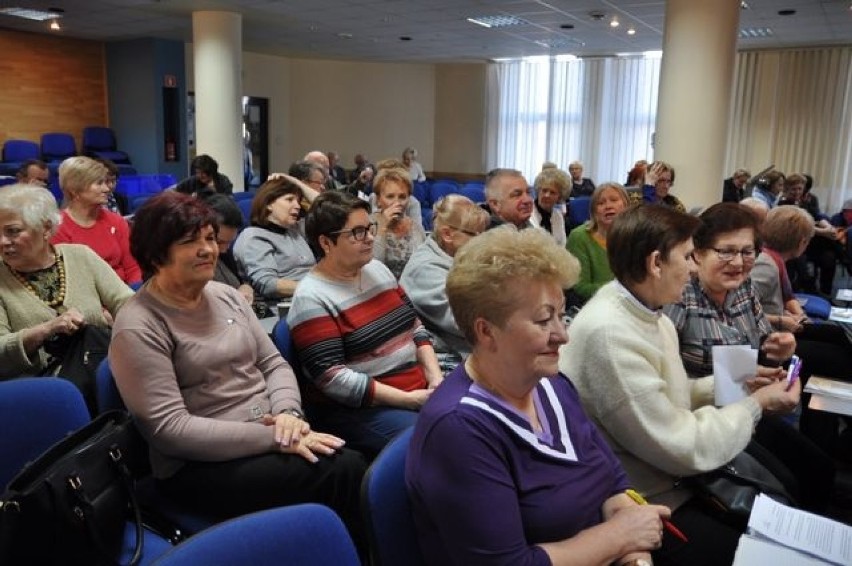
(733, 189)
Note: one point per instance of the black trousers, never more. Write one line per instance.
(825, 351)
(236, 487)
(711, 541)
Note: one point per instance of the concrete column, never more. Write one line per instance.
(217, 52)
(699, 49)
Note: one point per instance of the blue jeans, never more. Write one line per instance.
(366, 430)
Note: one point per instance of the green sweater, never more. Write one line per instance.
(594, 265)
(91, 286)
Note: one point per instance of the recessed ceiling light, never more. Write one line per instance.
(344, 35)
(613, 23)
(37, 15)
(631, 31)
(786, 12)
(54, 25)
(744, 5)
(498, 21)
(560, 43)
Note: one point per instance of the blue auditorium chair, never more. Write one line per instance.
(387, 510)
(108, 398)
(56, 147)
(15, 152)
(298, 535)
(474, 191)
(100, 142)
(440, 189)
(35, 414)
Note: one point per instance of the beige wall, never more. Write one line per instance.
(460, 118)
(373, 108)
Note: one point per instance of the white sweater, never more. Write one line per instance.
(625, 361)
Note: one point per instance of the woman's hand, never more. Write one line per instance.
(779, 345)
(641, 526)
(417, 398)
(288, 429)
(68, 322)
(774, 398)
(653, 172)
(312, 444)
(246, 291)
(765, 376)
(392, 214)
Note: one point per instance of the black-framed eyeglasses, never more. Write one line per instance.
(358, 233)
(470, 233)
(748, 254)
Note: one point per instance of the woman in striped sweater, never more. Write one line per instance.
(369, 360)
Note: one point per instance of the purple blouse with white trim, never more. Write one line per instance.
(486, 488)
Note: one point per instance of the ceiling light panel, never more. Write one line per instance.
(37, 15)
(498, 21)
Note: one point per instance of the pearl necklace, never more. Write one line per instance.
(60, 297)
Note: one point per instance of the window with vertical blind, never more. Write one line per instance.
(789, 107)
(598, 111)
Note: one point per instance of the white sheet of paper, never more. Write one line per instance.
(751, 551)
(844, 295)
(732, 365)
(822, 537)
(840, 315)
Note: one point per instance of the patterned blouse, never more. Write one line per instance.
(701, 324)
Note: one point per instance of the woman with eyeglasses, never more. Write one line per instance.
(457, 219)
(273, 252)
(719, 307)
(368, 359)
(625, 361)
(398, 235)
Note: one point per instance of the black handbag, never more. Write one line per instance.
(70, 506)
(729, 492)
(76, 358)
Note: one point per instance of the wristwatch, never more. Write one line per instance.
(293, 412)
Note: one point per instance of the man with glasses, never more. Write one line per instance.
(360, 184)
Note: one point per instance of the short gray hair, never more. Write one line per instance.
(492, 181)
(35, 205)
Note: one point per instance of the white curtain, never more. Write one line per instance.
(792, 108)
(598, 111)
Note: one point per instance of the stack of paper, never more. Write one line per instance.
(841, 315)
(783, 536)
(844, 295)
(830, 395)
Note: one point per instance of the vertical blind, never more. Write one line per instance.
(791, 108)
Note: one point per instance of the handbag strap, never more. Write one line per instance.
(86, 509)
(735, 475)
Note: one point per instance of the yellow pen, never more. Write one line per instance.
(637, 497)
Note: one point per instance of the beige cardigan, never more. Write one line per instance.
(90, 286)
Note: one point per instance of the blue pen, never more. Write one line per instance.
(793, 371)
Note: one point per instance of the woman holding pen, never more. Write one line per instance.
(719, 307)
(504, 467)
(625, 361)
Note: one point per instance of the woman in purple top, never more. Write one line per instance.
(504, 467)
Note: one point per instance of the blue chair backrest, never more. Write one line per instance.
(578, 210)
(243, 195)
(245, 209)
(136, 202)
(35, 413)
(420, 190)
(814, 306)
(57, 146)
(16, 151)
(440, 189)
(298, 535)
(474, 191)
(384, 500)
(107, 396)
(98, 138)
(284, 342)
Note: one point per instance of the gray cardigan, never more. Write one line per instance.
(424, 280)
(264, 256)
